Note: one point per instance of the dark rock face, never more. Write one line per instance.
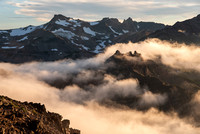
(65, 37)
(17, 117)
(183, 32)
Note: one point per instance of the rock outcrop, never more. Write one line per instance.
(30, 118)
(178, 85)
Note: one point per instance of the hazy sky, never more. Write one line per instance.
(18, 13)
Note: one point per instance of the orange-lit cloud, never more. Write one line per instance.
(27, 82)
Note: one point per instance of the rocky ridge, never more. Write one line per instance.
(32, 118)
(187, 32)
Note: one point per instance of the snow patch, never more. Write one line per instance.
(7, 47)
(89, 31)
(62, 22)
(4, 37)
(45, 27)
(22, 31)
(64, 33)
(125, 31)
(76, 23)
(40, 26)
(114, 31)
(97, 49)
(80, 45)
(73, 28)
(84, 38)
(138, 26)
(25, 38)
(102, 44)
(94, 23)
(21, 47)
(6, 43)
(54, 49)
(84, 47)
(105, 37)
(2, 32)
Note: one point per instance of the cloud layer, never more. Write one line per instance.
(30, 82)
(147, 10)
(92, 118)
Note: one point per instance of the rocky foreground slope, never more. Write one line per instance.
(30, 118)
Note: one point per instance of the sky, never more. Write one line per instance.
(21, 13)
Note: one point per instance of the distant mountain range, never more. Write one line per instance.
(65, 37)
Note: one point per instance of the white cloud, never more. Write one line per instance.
(25, 82)
(150, 99)
(146, 10)
(91, 118)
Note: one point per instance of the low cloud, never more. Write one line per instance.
(88, 85)
(91, 117)
(150, 99)
(113, 87)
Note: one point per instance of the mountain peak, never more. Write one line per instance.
(110, 19)
(105, 19)
(118, 53)
(60, 16)
(198, 16)
(128, 20)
